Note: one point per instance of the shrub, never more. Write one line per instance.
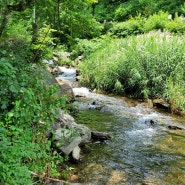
(45, 42)
(156, 22)
(12, 171)
(176, 26)
(133, 26)
(139, 25)
(87, 47)
(26, 102)
(123, 11)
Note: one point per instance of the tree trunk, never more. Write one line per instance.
(34, 26)
(58, 11)
(93, 9)
(4, 20)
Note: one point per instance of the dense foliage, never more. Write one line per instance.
(119, 10)
(26, 100)
(26, 103)
(143, 66)
(118, 60)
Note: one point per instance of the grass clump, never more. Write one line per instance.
(143, 66)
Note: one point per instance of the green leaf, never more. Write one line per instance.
(10, 114)
(4, 104)
(13, 89)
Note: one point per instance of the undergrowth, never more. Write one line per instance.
(26, 101)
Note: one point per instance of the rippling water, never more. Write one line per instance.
(139, 153)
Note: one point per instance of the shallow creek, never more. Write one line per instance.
(138, 153)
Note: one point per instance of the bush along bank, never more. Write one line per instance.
(26, 100)
(146, 66)
(139, 24)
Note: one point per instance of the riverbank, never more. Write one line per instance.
(147, 66)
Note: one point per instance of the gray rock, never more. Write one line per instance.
(76, 153)
(66, 121)
(63, 133)
(65, 89)
(70, 147)
(100, 135)
(84, 132)
(173, 127)
(63, 120)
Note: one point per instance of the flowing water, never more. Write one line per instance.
(139, 153)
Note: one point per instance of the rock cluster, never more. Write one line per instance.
(69, 136)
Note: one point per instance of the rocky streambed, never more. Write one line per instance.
(68, 136)
(147, 145)
(146, 148)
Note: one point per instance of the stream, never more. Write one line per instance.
(139, 153)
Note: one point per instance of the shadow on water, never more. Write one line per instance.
(138, 153)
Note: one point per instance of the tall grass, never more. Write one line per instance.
(144, 66)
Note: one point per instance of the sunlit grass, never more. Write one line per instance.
(145, 66)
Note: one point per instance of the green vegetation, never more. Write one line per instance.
(118, 59)
(25, 115)
(26, 101)
(144, 66)
(117, 10)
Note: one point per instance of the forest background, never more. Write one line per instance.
(133, 48)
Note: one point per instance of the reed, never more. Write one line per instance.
(145, 66)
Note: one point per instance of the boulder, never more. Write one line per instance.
(49, 79)
(76, 153)
(65, 140)
(67, 121)
(65, 89)
(68, 135)
(63, 133)
(68, 148)
(160, 103)
(84, 132)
